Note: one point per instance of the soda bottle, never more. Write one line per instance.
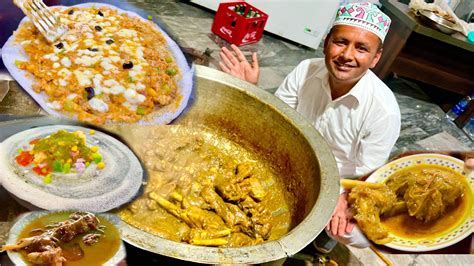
(460, 107)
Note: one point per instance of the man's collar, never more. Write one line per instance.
(357, 92)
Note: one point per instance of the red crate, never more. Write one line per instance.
(237, 23)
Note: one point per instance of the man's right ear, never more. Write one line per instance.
(326, 40)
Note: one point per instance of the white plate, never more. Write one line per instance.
(115, 185)
(447, 239)
(13, 51)
(26, 218)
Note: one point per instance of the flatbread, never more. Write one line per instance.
(11, 52)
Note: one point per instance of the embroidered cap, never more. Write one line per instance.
(366, 16)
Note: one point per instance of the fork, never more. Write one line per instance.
(43, 18)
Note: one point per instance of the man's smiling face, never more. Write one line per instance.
(349, 52)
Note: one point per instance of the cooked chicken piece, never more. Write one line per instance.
(50, 257)
(427, 193)
(243, 171)
(82, 222)
(368, 205)
(209, 242)
(91, 239)
(34, 243)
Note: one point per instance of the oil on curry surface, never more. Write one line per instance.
(204, 189)
(418, 202)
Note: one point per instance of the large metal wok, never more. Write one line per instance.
(267, 126)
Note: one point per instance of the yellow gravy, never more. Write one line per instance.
(97, 254)
(406, 226)
(170, 164)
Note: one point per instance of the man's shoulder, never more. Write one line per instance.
(383, 94)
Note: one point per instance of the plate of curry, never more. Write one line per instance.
(426, 203)
(65, 238)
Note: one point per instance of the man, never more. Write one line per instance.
(347, 103)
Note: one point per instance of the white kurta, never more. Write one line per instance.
(361, 127)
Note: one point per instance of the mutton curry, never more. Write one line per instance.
(421, 201)
(205, 190)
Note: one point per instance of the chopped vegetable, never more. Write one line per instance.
(47, 179)
(57, 167)
(150, 17)
(42, 171)
(24, 158)
(171, 71)
(96, 157)
(101, 165)
(166, 88)
(68, 105)
(19, 63)
(98, 28)
(57, 152)
(66, 168)
(151, 92)
(140, 110)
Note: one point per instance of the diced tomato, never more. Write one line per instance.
(43, 171)
(24, 158)
(33, 142)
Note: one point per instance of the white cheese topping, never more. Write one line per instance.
(54, 105)
(84, 78)
(106, 65)
(71, 96)
(98, 105)
(87, 60)
(133, 97)
(66, 62)
(64, 72)
(62, 82)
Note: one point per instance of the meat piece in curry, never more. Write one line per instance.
(419, 201)
(59, 238)
(206, 190)
(427, 192)
(370, 204)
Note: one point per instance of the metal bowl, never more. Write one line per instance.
(437, 22)
(288, 142)
(27, 218)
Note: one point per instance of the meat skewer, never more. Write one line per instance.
(45, 249)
